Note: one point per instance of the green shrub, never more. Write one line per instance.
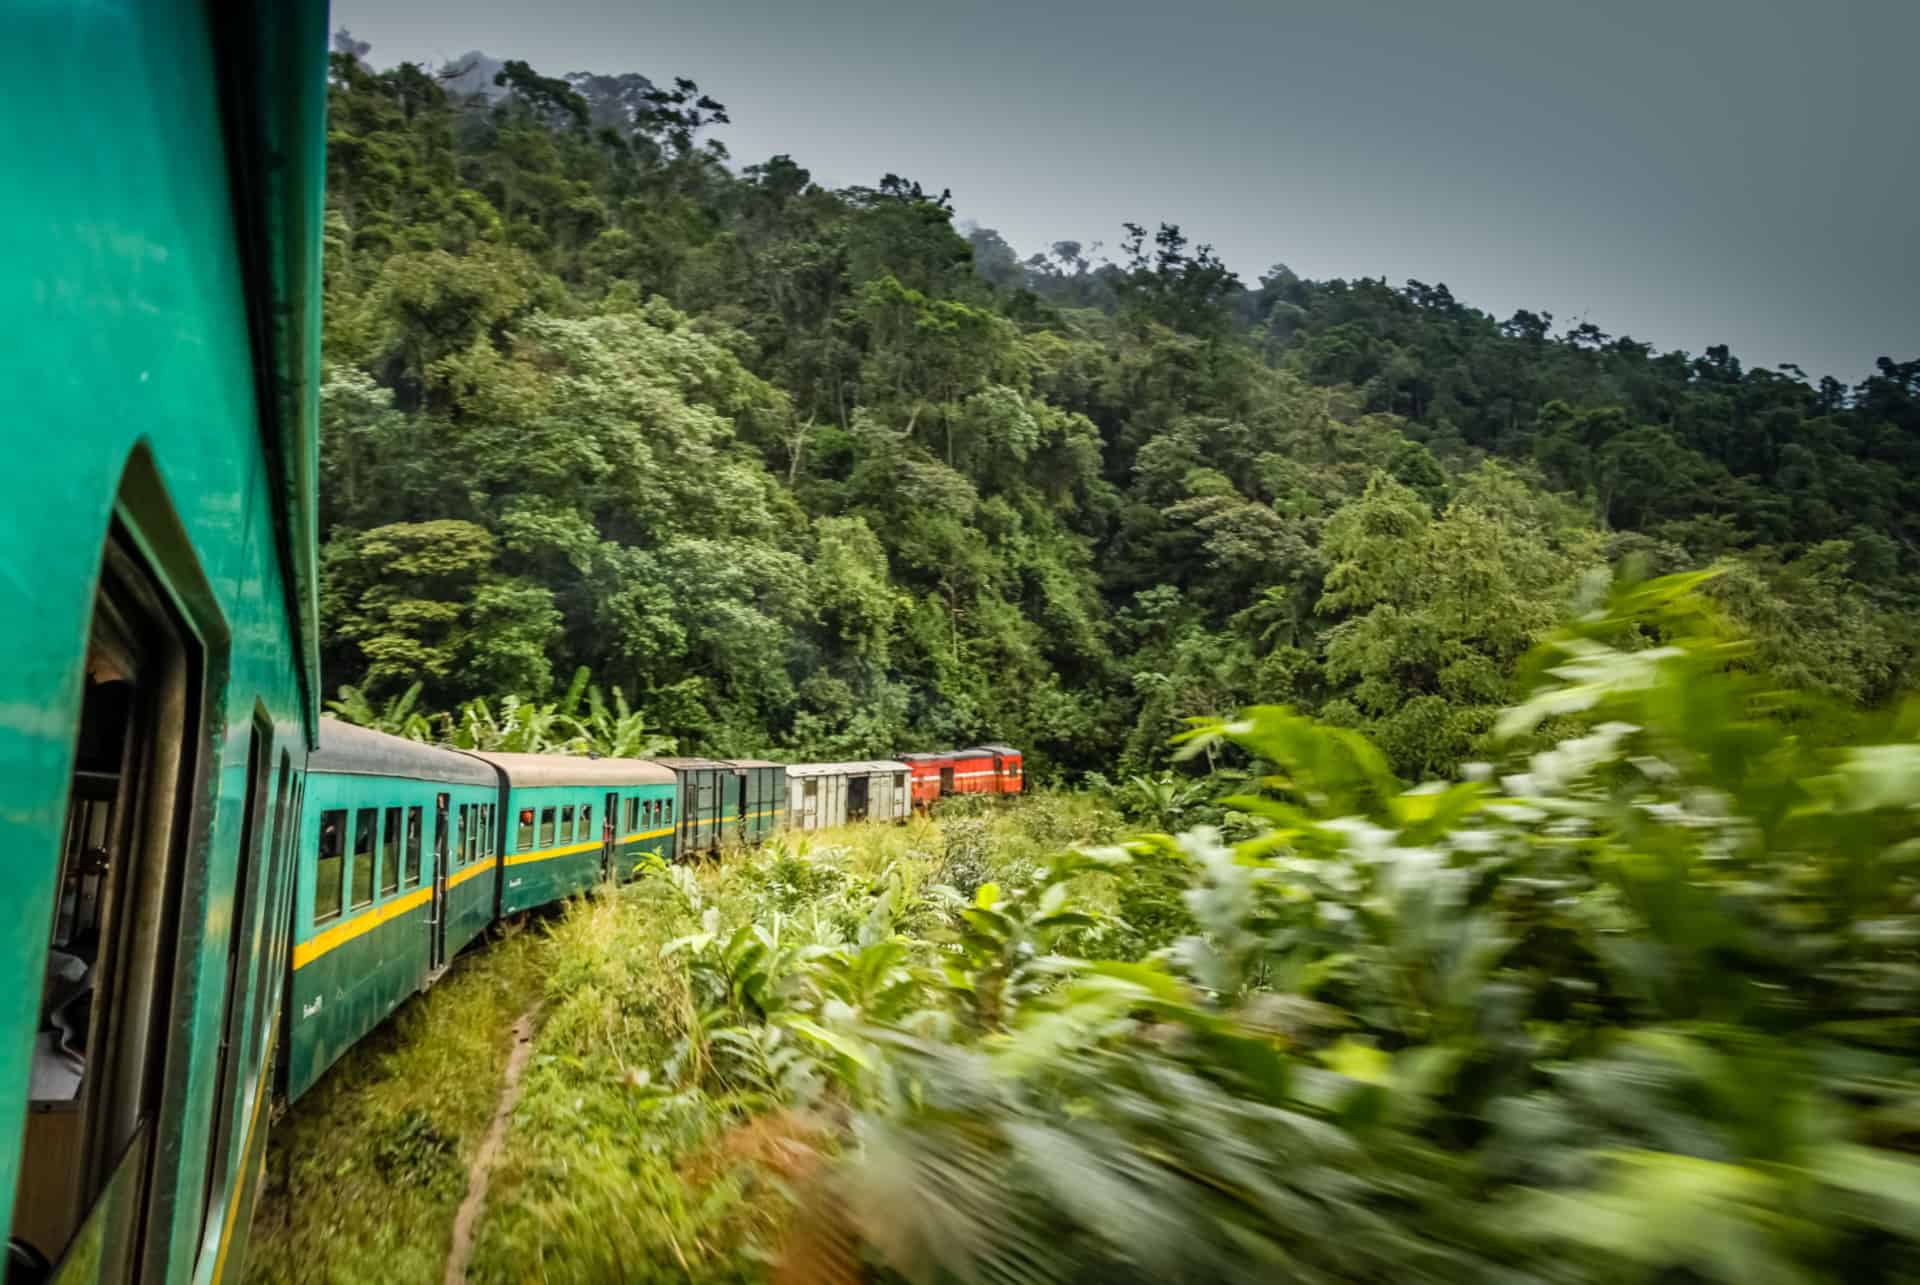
(1643, 1009)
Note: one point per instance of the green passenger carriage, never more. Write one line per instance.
(571, 822)
(398, 849)
(161, 294)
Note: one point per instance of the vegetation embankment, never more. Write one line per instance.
(629, 1155)
(1633, 1003)
(365, 1172)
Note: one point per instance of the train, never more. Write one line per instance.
(220, 889)
(407, 853)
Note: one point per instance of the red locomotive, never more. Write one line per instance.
(983, 769)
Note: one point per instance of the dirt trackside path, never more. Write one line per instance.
(479, 1173)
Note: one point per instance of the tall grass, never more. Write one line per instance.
(365, 1172)
(655, 1137)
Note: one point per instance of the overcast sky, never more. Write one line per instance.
(1685, 171)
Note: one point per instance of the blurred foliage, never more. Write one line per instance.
(1636, 1005)
(1639, 1008)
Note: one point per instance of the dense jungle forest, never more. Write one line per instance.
(819, 474)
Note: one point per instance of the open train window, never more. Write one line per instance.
(566, 824)
(586, 824)
(365, 821)
(546, 827)
(328, 867)
(525, 841)
(413, 847)
(473, 832)
(390, 854)
(98, 1061)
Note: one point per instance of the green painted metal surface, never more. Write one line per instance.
(549, 867)
(352, 970)
(158, 366)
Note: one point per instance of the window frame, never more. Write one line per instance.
(547, 816)
(341, 817)
(413, 842)
(392, 839)
(367, 820)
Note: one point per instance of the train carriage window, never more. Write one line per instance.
(566, 824)
(546, 827)
(365, 821)
(413, 847)
(329, 869)
(586, 823)
(390, 854)
(669, 804)
(524, 841)
(486, 830)
(95, 1065)
(473, 833)
(460, 837)
(633, 813)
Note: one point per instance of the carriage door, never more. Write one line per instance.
(609, 836)
(437, 925)
(946, 780)
(691, 813)
(857, 787)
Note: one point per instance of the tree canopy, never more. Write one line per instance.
(815, 472)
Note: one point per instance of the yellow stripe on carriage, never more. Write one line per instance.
(340, 934)
(238, 1183)
(478, 867)
(575, 849)
(548, 854)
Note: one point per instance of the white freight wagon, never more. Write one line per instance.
(825, 794)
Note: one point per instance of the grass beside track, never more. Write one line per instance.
(365, 1172)
(629, 1156)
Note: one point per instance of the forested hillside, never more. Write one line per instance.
(813, 472)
